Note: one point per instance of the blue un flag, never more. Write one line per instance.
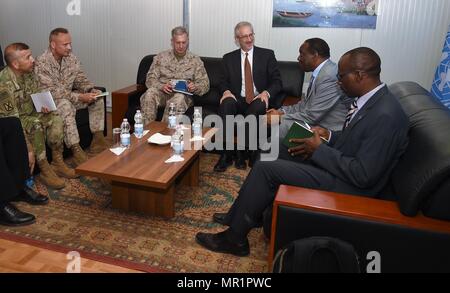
(441, 83)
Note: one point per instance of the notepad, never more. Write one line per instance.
(102, 95)
(44, 99)
(181, 87)
(299, 129)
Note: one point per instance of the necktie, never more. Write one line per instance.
(351, 111)
(249, 94)
(311, 81)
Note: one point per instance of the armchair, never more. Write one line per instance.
(411, 233)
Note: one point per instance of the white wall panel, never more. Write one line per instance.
(110, 37)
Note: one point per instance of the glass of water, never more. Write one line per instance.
(116, 137)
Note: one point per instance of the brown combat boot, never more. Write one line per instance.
(98, 143)
(78, 155)
(61, 169)
(48, 176)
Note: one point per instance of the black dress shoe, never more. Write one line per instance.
(220, 243)
(221, 218)
(11, 216)
(32, 197)
(240, 163)
(224, 162)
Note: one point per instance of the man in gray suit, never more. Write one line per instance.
(324, 103)
(357, 160)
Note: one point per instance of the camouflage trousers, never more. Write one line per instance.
(42, 128)
(67, 110)
(155, 98)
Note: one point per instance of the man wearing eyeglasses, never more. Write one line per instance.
(357, 160)
(324, 103)
(250, 78)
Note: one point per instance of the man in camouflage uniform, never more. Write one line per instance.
(17, 83)
(167, 66)
(59, 72)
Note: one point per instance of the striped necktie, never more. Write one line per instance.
(311, 81)
(351, 111)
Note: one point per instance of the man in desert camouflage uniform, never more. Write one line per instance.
(17, 83)
(170, 65)
(59, 72)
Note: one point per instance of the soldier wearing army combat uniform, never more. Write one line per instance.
(59, 72)
(170, 65)
(17, 83)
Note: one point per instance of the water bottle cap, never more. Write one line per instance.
(125, 120)
(138, 111)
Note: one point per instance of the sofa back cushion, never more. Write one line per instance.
(421, 178)
(144, 67)
(292, 77)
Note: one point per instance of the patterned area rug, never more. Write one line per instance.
(80, 218)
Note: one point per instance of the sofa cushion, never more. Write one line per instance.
(425, 165)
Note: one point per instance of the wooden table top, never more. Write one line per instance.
(143, 163)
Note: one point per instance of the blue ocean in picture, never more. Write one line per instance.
(329, 14)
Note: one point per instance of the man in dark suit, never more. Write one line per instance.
(358, 160)
(250, 78)
(16, 165)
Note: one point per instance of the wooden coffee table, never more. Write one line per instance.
(141, 181)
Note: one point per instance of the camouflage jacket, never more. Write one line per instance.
(15, 94)
(166, 67)
(65, 81)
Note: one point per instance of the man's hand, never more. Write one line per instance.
(31, 161)
(324, 133)
(45, 110)
(273, 112)
(167, 88)
(227, 94)
(306, 147)
(191, 86)
(88, 98)
(264, 96)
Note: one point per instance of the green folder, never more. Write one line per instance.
(298, 130)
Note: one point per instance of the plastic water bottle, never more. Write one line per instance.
(125, 139)
(177, 141)
(197, 123)
(138, 124)
(172, 116)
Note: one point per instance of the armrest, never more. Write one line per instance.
(350, 206)
(120, 102)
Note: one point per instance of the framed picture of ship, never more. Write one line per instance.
(325, 13)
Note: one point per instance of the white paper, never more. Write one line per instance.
(101, 95)
(174, 159)
(44, 99)
(118, 151)
(143, 133)
(158, 138)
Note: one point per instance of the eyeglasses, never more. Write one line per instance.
(251, 36)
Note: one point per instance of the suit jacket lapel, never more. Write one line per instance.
(317, 79)
(361, 113)
(237, 64)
